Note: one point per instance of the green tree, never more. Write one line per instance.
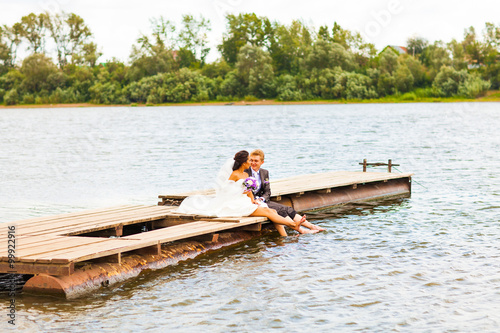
(434, 57)
(33, 30)
(491, 36)
(5, 56)
(458, 55)
(12, 37)
(288, 47)
(232, 86)
(388, 62)
(473, 47)
(416, 45)
(72, 39)
(244, 29)
(8, 82)
(324, 33)
(193, 37)
(154, 53)
(324, 54)
(216, 69)
(404, 79)
(353, 42)
(448, 80)
(255, 68)
(40, 73)
(386, 84)
(416, 68)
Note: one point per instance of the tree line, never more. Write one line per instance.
(260, 58)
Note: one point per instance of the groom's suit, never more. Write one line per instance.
(265, 192)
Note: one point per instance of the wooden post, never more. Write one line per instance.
(364, 165)
(389, 166)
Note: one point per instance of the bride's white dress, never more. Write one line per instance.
(229, 200)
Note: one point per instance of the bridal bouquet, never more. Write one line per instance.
(250, 183)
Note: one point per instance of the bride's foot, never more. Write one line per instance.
(307, 231)
(315, 227)
(297, 225)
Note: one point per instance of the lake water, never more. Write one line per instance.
(429, 263)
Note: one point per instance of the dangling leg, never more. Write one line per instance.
(281, 229)
(274, 217)
(306, 223)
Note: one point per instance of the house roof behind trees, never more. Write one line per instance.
(396, 49)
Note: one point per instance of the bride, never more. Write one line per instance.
(233, 199)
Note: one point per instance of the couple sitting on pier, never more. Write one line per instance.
(243, 189)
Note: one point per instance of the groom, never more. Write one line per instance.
(263, 191)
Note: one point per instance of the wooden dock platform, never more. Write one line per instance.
(284, 190)
(59, 245)
(52, 245)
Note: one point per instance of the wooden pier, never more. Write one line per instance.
(57, 249)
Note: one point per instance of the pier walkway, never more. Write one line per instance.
(53, 245)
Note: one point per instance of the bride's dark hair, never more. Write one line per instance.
(240, 158)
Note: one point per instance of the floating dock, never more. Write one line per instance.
(73, 254)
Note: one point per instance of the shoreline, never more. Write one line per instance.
(492, 96)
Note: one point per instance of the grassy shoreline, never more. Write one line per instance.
(491, 96)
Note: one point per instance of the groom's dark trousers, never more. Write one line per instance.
(265, 192)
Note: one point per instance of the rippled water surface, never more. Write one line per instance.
(429, 263)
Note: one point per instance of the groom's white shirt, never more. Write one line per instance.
(256, 175)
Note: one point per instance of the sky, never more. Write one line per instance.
(116, 24)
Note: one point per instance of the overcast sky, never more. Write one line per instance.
(116, 24)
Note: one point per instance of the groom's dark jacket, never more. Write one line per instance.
(265, 192)
(265, 187)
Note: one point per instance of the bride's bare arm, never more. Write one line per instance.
(250, 195)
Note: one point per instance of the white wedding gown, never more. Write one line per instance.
(229, 200)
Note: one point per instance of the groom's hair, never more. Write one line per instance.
(258, 152)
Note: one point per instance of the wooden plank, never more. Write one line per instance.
(194, 228)
(129, 216)
(72, 215)
(146, 214)
(45, 254)
(52, 228)
(105, 247)
(100, 248)
(61, 243)
(23, 249)
(83, 219)
(306, 183)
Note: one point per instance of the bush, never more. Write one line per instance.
(63, 96)
(448, 80)
(232, 85)
(409, 96)
(28, 99)
(287, 88)
(11, 97)
(250, 98)
(39, 73)
(426, 93)
(386, 84)
(473, 87)
(404, 79)
(359, 86)
(108, 93)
